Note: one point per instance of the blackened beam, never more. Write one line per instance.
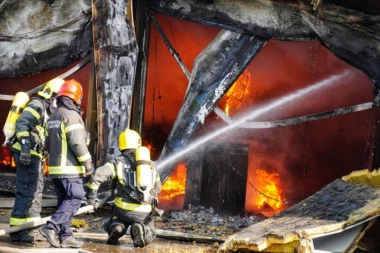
(353, 36)
(297, 120)
(214, 71)
(142, 28)
(169, 45)
(114, 73)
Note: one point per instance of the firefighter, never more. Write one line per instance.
(69, 161)
(134, 205)
(28, 151)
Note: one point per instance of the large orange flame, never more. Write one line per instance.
(175, 184)
(234, 97)
(268, 198)
(268, 183)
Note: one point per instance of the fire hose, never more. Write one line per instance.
(39, 222)
(164, 234)
(298, 120)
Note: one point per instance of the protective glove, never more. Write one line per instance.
(89, 168)
(25, 156)
(89, 171)
(91, 198)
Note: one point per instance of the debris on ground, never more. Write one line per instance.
(204, 221)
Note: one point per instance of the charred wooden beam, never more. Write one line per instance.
(115, 55)
(142, 35)
(350, 41)
(214, 71)
(268, 19)
(36, 36)
(352, 35)
(173, 52)
(297, 120)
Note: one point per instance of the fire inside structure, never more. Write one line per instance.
(252, 170)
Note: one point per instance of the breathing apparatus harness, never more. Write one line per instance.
(130, 177)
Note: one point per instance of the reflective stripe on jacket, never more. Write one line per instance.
(66, 144)
(30, 125)
(136, 207)
(17, 147)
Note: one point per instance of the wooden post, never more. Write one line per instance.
(115, 56)
(142, 34)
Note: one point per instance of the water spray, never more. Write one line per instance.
(252, 115)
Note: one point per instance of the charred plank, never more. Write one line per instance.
(142, 35)
(268, 19)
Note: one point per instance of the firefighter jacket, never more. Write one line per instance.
(30, 125)
(66, 141)
(121, 171)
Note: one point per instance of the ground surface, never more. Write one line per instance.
(191, 223)
(195, 221)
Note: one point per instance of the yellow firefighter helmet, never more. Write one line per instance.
(129, 139)
(51, 88)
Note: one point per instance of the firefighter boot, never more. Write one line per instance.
(14, 237)
(137, 234)
(23, 236)
(116, 231)
(71, 242)
(50, 235)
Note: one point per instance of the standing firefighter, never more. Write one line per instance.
(69, 162)
(28, 154)
(137, 184)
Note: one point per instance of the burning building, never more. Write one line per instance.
(291, 155)
(222, 99)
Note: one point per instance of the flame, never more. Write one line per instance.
(268, 199)
(236, 94)
(175, 184)
(6, 158)
(270, 192)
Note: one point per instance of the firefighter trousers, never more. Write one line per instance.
(70, 193)
(29, 187)
(128, 218)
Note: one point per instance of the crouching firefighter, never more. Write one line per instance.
(137, 185)
(28, 150)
